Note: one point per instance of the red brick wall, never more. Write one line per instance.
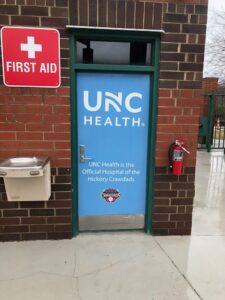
(180, 82)
(182, 52)
(38, 220)
(209, 85)
(173, 201)
(178, 117)
(37, 121)
(180, 89)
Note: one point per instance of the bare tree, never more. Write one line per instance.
(214, 64)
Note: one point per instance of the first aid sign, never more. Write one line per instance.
(30, 57)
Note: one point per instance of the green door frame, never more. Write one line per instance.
(89, 33)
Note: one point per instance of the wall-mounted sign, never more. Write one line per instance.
(30, 57)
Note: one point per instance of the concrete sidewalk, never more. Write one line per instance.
(128, 265)
(113, 266)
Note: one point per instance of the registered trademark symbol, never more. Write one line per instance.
(143, 124)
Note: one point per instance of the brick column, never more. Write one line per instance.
(182, 54)
(36, 121)
(209, 85)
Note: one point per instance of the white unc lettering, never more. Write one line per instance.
(98, 104)
(128, 104)
(115, 101)
(111, 102)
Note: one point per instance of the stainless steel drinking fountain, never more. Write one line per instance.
(26, 178)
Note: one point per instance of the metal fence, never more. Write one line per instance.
(212, 125)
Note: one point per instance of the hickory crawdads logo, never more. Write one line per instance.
(110, 195)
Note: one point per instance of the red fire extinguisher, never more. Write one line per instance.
(176, 153)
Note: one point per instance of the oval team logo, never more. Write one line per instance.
(110, 195)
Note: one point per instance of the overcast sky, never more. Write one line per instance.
(214, 7)
(216, 4)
